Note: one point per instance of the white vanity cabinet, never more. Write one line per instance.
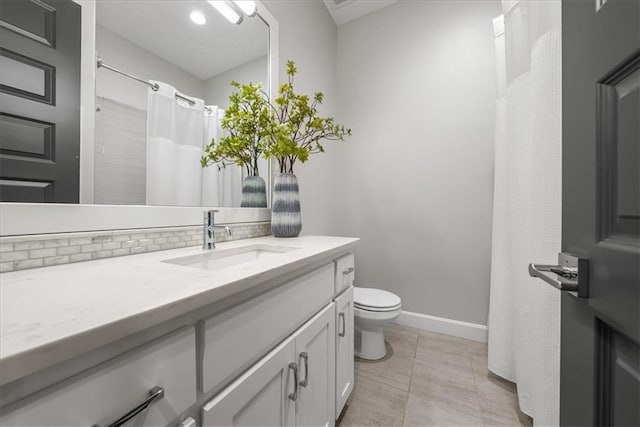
(344, 348)
(280, 354)
(293, 385)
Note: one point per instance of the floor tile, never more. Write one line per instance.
(422, 413)
(383, 396)
(402, 332)
(395, 371)
(446, 384)
(429, 379)
(360, 413)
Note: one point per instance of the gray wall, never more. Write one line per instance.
(308, 36)
(416, 82)
(218, 88)
(121, 53)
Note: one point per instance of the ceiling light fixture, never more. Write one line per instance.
(247, 6)
(226, 11)
(198, 17)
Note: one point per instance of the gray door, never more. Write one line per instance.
(600, 352)
(39, 101)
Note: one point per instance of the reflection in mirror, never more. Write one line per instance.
(150, 133)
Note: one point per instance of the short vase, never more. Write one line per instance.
(254, 192)
(286, 220)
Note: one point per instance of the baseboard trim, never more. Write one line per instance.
(441, 325)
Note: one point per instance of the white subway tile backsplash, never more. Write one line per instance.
(28, 263)
(111, 245)
(80, 241)
(56, 260)
(79, 257)
(42, 253)
(69, 250)
(25, 246)
(56, 243)
(94, 247)
(14, 256)
(32, 251)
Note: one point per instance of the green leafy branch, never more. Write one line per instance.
(299, 128)
(248, 121)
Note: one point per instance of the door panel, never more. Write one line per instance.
(600, 379)
(260, 397)
(315, 405)
(344, 349)
(39, 101)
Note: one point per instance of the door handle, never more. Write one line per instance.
(294, 396)
(304, 356)
(570, 274)
(348, 271)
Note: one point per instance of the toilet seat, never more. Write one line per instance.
(375, 300)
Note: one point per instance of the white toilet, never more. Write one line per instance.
(373, 310)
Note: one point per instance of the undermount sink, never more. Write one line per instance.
(215, 260)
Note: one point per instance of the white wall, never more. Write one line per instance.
(126, 56)
(308, 36)
(218, 88)
(416, 83)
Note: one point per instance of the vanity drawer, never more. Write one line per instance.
(345, 272)
(114, 388)
(239, 337)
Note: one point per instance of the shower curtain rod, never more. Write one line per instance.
(153, 86)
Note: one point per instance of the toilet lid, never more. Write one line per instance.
(373, 299)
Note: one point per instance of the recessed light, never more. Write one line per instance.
(198, 17)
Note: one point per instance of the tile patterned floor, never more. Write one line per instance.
(429, 379)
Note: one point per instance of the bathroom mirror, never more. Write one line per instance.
(146, 73)
(149, 137)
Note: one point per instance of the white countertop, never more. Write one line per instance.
(52, 314)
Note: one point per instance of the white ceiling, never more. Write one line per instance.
(163, 28)
(344, 11)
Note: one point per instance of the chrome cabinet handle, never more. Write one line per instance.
(344, 325)
(305, 357)
(294, 367)
(348, 271)
(155, 394)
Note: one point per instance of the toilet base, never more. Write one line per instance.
(369, 344)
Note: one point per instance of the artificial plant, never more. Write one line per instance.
(249, 122)
(298, 128)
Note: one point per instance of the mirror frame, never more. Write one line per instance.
(44, 218)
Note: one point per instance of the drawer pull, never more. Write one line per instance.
(294, 396)
(156, 393)
(348, 271)
(305, 357)
(344, 325)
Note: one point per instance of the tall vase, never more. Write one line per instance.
(286, 220)
(254, 192)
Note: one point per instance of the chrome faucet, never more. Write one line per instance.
(209, 230)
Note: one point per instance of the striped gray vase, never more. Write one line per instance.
(254, 192)
(285, 212)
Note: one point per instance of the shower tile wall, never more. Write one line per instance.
(120, 153)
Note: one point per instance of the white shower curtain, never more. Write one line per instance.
(175, 135)
(219, 187)
(524, 315)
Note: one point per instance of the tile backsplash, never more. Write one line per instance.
(33, 251)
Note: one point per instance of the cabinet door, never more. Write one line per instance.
(315, 350)
(262, 396)
(344, 349)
